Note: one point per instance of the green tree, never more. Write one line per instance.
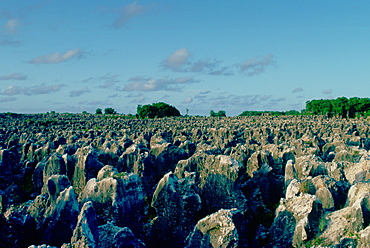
(98, 111)
(109, 111)
(220, 113)
(157, 110)
(341, 107)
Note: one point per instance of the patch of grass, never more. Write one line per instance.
(307, 187)
(120, 175)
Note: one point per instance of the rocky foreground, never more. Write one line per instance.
(105, 181)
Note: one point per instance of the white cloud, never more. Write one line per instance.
(76, 93)
(188, 100)
(328, 91)
(296, 90)
(33, 90)
(281, 99)
(14, 76)
(163, 84)
(7, 99)
(205, 65)
(106, 81)
(11, 25)
(96, 103)
(139, 99)
(129, 12)
(256, 65)
(57, 57)
(7, 42)
(12, 90)
(177, 60)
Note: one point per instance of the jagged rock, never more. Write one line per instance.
(306, 212)
(217, 178)
(106, 234)
(60, 224)
(106, 172)
(87, 167)
(125, 238)
(282, 230)
(293, 189)
(247, 163)
(4, 231)
(21, 227)
(258, 159)
(42, 246)
(176, 205)
(6, 165)
(308, 165)
(337, 189)
(138, 160)
(364, 238)
(56, 184)
(221, 229)
(325, 197)
(54, 166)
(119, 200)
(166, 157)
(86, 233)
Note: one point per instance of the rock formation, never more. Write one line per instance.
(70, 180)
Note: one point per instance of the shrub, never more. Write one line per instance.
(157, 110)
(109, 111)
(220, 113)
(98, 111)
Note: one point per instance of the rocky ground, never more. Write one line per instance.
(105, 181)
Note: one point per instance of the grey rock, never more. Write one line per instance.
(63, 219)
(87, 167)
(176, 205)
(125, 238)
(86, 233)
(119, 200)
(217, 230)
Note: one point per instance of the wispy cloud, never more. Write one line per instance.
(95, 103)
(177, 60)
(188, 100)
(244, 101)
(57, 57)
(77, 93)
(131, 11)
(7, 99)
(150, 84)
(256, 65)
(328, 91)
(33, 90)
(14, 76)
(105, 81)
(7, 42)
(12, 25)
(205, 65)
(137, 98)
(165, 96)
(296, 90)
(180, 61)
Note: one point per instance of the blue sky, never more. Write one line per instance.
(74, 56)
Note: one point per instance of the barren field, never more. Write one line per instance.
(74, 180)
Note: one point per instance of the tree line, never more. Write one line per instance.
(341, 107)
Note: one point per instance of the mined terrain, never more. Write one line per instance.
(81, 180)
